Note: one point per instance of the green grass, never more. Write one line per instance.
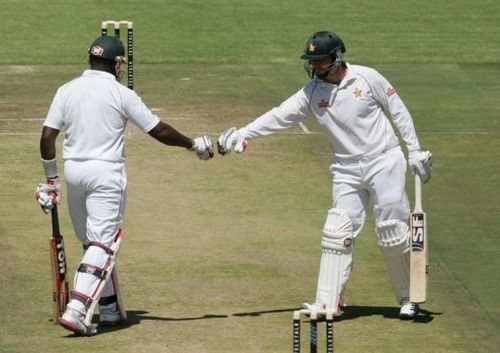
(217, 254)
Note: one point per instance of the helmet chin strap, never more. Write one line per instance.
(332, 68)
(328, 70)
(118, 70)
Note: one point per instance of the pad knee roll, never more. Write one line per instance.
(393, 237)
(337, 231)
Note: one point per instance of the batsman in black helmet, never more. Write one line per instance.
(356, 107)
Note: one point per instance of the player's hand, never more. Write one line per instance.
(420, 162)
(229, 138)
(48, 194)
(203, 147)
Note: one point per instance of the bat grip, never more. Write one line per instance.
(55, 221)
(418, 192)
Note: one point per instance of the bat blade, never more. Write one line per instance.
(419, 249)
(60, 287)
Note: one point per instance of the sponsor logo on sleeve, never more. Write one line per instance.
(390, 92)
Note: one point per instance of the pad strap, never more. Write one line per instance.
(108, 251)
(92, 270)
(84, 299)
(108, 300)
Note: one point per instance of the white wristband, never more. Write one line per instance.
(50, 167)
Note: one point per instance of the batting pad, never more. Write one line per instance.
(393, 242)
(336, 259)
(111, 293)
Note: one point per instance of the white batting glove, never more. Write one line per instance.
(203, 147)
(420, 162)
(48, 194)
(229, 138)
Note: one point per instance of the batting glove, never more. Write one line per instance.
(229, 138)
(420, 163)
(203, 147)
(48, 194)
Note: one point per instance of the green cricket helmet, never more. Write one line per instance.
(108, 48)
(321, 45)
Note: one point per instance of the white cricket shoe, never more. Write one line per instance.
(321, 306)
(109, 315)
(408, 309)
(73, 320)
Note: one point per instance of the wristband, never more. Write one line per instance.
(50, 167)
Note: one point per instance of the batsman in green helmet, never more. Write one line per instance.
(93, 111)
(359, 111)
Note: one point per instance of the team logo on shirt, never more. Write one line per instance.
(323, 104)
(390, 91)
(357, 93)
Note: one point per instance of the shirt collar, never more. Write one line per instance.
(98, 73)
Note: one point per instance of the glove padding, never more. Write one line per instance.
(228, 138)
(48, 194)
(420, 162)
(203, 147)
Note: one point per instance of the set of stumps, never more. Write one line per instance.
(314, 317)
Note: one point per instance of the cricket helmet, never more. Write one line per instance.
(321, 45)
(108, 48)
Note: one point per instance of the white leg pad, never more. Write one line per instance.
(94, 271)
(393, 242)
(336, 259)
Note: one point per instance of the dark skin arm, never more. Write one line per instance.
(169, 136)
(161, 132)
(48, 143)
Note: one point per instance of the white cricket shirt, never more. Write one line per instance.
(352, 114)
(93, 110)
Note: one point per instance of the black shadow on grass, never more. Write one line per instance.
(353, 312)
(271, 311)
(134, 317)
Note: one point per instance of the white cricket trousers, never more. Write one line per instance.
(97, 193)
(382, 177)
(96, 201)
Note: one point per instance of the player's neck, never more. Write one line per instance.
(338, 76)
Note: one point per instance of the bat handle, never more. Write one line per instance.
(55, 220)
(418, 192)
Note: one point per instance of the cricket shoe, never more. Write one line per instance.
(73, 320)
(322, 307)
(109, 315)
(408, 309)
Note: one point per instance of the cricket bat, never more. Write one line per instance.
(58, 269)
(419, 268)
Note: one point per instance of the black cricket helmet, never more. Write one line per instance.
(321, 45)
(108, 48)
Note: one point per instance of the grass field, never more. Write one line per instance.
(217, 255)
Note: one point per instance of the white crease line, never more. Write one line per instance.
(18, 133)
(304, 128)
(22, 119)
(458, 133)
(280, 133)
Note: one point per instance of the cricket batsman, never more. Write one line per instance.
(93, 110)
(358, 110)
